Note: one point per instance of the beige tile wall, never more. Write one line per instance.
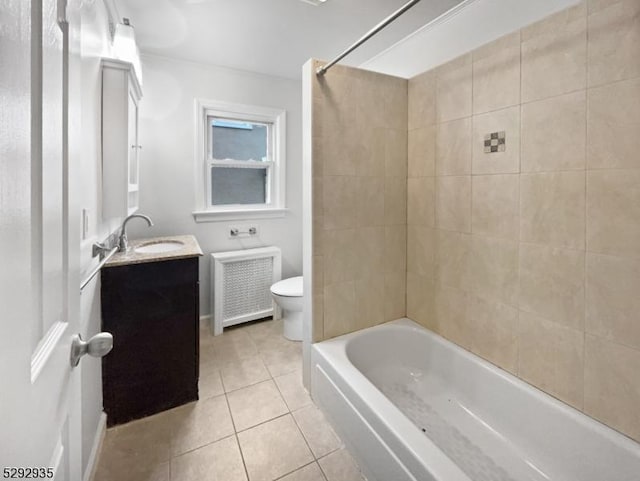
(359, 199)
(531, 257)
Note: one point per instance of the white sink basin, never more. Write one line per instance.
(159, 247)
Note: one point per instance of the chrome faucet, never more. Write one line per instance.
(123, 243)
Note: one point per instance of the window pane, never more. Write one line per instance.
(237, 140)
(238, 185)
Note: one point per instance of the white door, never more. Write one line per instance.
(39, 244)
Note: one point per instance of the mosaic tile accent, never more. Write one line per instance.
(494, 142)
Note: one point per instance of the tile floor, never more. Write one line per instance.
(254, 421)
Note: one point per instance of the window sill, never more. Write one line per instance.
(227, 215)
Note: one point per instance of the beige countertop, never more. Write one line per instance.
(191, 248)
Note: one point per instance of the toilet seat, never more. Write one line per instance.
(291, 287)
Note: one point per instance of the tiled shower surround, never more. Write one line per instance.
(359, 200)
(530, 257)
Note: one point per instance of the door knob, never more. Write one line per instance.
(98, 346)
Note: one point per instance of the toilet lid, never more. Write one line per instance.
(291, 287)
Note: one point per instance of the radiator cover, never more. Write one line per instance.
(240, 285)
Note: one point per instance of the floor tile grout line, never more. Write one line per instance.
(306, 441)
(119, 427)
(248, 385)
(263, 422)
(341, 443)
(271, 376)
(236, 433)
(290, 412)
(301, 467)
(315, 458)
(322, 470)
(282, 394)
(215, 441)
(233, 423)
(344, 447)
(200, 447)
(302, 434)
(244, 463)
(267, 420)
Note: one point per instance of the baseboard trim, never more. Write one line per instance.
(205, 319)
(92, 463)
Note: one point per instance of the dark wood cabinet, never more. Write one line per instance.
(153, 313)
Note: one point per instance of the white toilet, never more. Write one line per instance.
(288, 295)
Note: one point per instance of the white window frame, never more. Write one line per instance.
(276, 182)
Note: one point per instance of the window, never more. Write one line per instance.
(241, 151)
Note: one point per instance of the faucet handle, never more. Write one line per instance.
(99, 249)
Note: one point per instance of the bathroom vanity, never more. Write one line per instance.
(150, 305)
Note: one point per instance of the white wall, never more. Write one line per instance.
(168, 170)
(95, 44)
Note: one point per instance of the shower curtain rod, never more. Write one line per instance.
(322, 70)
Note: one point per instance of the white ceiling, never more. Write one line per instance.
(467, 26)
(274, 37)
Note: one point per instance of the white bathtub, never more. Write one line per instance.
(413, 406)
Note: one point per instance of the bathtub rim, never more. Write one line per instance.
(367, 395)
(334, 353)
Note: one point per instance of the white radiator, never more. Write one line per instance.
(241, 282)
